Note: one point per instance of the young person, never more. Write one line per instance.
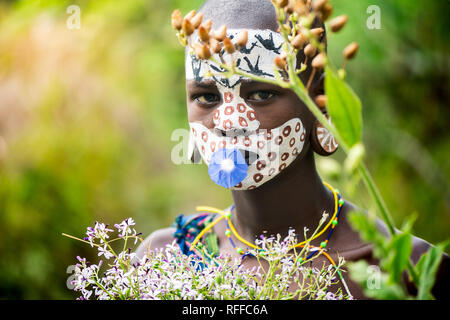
(278, 190)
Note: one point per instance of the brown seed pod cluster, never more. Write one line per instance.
(209, 41)
(299, 34)
(323, 9)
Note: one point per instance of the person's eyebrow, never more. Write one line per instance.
(205, 84)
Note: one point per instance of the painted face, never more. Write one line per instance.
(236, 124)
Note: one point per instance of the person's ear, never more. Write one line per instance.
(322, 141)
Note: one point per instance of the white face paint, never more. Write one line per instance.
(236, 124)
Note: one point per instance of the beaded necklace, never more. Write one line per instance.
(231, 230)
(339, 201)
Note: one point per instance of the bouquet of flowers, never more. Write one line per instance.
(168, 274)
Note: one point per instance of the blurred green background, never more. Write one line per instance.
(86, 118)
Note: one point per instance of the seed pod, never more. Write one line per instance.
(188, 28)
(300, 8)
(203, 34)
(326, 12)
(338, 23)
(197, 20)
(290, 7)
(309, 50)
(190, 15)
(280, 63)
(177, 20)
(298, 41)
(319, 61)
(242, 39)
(316, 32)
(321, 101)
(215, 45)
(202, 51)
(351, 50)
(282, 3)
(207, 25)
(221, 33)
(228, 45)
(318, 5)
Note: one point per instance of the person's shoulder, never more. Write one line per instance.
(156, 240)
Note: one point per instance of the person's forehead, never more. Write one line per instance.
(257, 57)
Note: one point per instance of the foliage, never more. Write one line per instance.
(394, 254)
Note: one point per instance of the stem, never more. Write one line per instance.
(377, 197)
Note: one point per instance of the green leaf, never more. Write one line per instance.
(399, 255)
(427, 268)
(369, 233)
(344, 108)
(375, 285)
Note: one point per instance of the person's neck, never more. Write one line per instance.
(295, 199)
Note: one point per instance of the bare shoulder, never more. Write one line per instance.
(156, 240)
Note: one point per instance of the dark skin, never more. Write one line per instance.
(295, 198)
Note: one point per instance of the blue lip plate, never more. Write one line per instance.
(227, 178)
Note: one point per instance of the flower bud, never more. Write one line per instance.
(215, 45)
(197, 20)
(207, 25)
(309, 50)
(177, 20)
(319, 61)
(354, 158)
(318, 5)
(228, 45)
(242, 38)
(280, 63)
(300, 8)
(351, 50)
(317, 32)
(203, 34)
(321, 101)
(326, 12)
(282, 3)
(298, 41)
(202, 51)
(221, 33)
(338, 23)
(190, 15)
(188, 28)
(290, 7)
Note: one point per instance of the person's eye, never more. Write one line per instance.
(208, 98)
(261, 95)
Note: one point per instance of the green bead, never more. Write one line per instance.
(341, 202)
(228, 215)
(228, 233)
(334, 223)
(323, 244)
(239, 250)
(300, 260)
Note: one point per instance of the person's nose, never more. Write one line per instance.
(234, 118)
